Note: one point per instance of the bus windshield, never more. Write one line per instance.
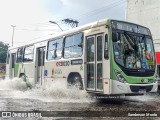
(133, 51)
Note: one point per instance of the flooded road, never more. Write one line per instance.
(58, 102)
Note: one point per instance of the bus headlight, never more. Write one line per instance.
(120, 77)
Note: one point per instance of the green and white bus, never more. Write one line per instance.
(106, 57)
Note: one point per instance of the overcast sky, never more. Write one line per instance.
(31, 17)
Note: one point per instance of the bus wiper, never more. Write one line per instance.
(128, 41)
(142, 41)
(132, 42)
(126, 47)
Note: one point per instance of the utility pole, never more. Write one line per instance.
(56, 24)
(13, 26)
(72, 23)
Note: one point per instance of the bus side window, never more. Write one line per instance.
(28, 54)
(106, 48)
(73, 46)
(55, 49)
(19, 55)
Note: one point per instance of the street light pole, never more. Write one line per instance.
(56, 24)
(13, 33)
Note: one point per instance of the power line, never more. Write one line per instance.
(89, 13)
(39, 27)
(43, 24)
(93, 12)
(39, 37)
(36, 29)
(10, 41)
(36, 24)
(102, 5)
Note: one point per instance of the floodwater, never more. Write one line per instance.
(58, 102)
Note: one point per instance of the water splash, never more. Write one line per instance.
(13, 84)
(149, 97)
(56, 92)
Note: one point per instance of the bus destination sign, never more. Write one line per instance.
(130, 27)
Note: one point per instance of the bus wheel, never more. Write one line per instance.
(23, 77)
(75, 81)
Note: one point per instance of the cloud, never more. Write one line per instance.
(88, 10)
(24, 12)
(82, 9)
(18, 12)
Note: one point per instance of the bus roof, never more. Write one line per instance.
(67, 32)
(71, 31)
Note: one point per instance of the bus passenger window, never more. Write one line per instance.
(99, 48)
(55, 49)
(106, 48)
(28, 54)
(73, 46)
(19, 55)
(90, 49)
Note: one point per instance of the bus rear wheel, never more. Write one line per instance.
(23, 77)
(75, 81)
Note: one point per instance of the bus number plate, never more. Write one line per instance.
(142, 90)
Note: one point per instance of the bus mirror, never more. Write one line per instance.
(106, 55)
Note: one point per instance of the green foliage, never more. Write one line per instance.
(3, 52)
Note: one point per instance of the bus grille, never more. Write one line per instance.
(137, 88)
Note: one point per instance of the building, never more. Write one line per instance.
(147, 13)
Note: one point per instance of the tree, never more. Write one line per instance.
(3, 52)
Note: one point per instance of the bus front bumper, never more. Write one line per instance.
(126, 88)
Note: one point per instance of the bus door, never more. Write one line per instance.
(94, 63)
(12, 65)
(40, 65)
